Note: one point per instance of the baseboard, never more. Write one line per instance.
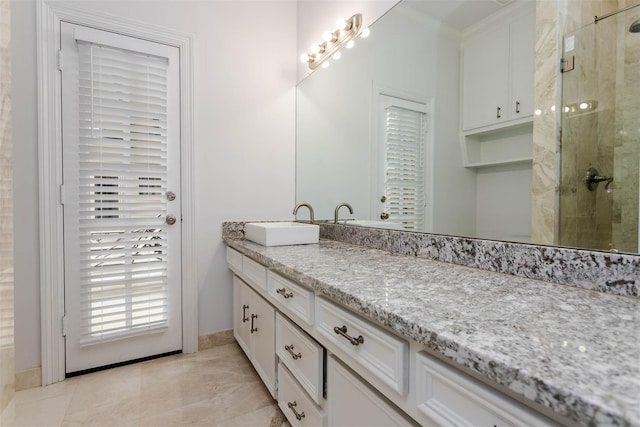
(28, 378)
(218, 339)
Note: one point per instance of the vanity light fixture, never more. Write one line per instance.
(343, 35)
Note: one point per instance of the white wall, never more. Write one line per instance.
(245, 74)
(503, 209)
(316, 17)
(336, 141)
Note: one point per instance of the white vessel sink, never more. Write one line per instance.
(281, 233)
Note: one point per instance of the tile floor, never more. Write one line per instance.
(215, 387)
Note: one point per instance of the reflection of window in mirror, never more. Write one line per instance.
(401, 177)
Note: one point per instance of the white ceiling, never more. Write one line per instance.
(458, 14)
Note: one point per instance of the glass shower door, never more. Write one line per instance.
(600, 145)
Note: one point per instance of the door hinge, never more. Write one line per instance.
(567, 64)
(60, 60)
(64, 326)
(62, 194)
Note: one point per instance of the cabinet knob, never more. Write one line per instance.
(295, 356)
(292, 406)
(253, 317)
(244, 313)
(343, 331)
(284, 293)
(498, 109)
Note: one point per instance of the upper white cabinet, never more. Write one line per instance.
(498, 70)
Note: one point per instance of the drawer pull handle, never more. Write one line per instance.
(498, 112)
(295, 356)
(343, 331)
(253, 316)
(283, 292)
(244, 313)
(292, 406)
(517, 107)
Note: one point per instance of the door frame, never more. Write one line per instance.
(49, 16)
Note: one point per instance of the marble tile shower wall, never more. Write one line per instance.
(606, 62)
(7, 372)
(617, 274)
(554, 19)
(626, 150)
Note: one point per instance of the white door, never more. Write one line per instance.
(121, 160)
(402, 173)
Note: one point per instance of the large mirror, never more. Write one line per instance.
(383, 128)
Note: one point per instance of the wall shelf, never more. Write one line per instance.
(508, 145)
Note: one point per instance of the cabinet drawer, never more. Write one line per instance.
(380, 353)
(254, 272)
(234, 260)
(447, 397)
(303, 356)
(292, 299)
(351, 402)
(295, 404)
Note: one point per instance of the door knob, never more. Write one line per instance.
(384, 216)
(171, 219)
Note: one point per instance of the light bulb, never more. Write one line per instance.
(553, 108)
(337, 55)
(350, 44)
(341, 24)
(567, 109)
(326, 36)
(365, 33)
(584, 106)
(304, 57)
(326, 64)
(315, 48)
(538, 112)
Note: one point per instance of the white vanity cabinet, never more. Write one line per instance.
(447, 397)
(253, 328)
(498, 71)
(302, 355)
(351, 402)
(334, 367)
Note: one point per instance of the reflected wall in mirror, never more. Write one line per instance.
(477, 175)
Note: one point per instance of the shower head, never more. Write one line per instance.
(635, 27)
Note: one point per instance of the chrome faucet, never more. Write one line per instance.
(306, 205)
(335, 213)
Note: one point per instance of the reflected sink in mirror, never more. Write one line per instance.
(281, 233)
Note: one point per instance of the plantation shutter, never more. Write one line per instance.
(404, 137)
(122, 185)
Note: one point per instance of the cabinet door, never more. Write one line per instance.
(262, 324)
(522, 62)
(351, 402)
(241, 313)
(485, 78)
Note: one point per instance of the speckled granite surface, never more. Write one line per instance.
(601, 271)
(572, 350)
(618, 274)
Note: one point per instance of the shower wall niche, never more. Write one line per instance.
(601, 130)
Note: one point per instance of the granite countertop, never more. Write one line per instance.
(572, 350)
